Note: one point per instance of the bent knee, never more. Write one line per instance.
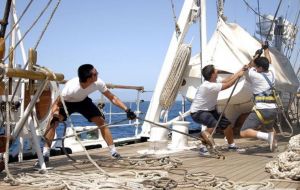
(242, 133)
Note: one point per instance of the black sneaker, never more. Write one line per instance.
(236, 149)
(116, 155)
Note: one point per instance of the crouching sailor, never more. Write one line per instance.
(261, 76)
(75, 94)
(203, 108)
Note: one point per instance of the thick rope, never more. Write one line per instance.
(148, 176)
(287, 164)
(7, 133)
(175, 78)
(78, 139)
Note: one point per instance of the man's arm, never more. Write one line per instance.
(55, 109)
(230, 80)
(115, 100)
(267, 55)
(265, 47)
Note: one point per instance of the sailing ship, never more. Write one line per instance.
(229, 49)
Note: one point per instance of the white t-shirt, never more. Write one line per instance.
(206, 96)
(73, 92)
(259, 84)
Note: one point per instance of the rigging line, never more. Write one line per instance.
(86, 131)
(39, 39)
(287, 10)
(78, 139)
(224, 109)
(173, 10)
(296, 58)
(295, 29)
(247, 4)
(258, 9)
(47, 24)
(33, 24)
(177, 29)
(19, 19)
(170, 129)
(274, 19)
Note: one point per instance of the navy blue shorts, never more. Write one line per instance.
(210, 119)
(86, 108)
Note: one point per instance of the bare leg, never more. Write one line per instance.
(105, 131)
(49, 136)
(207, 138)
(228, 132)
(250, 133)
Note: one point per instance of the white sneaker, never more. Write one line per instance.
(203, 151)
(272, 141)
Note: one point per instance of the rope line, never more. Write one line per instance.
(175, 78)
(148, 174)
(287, 164)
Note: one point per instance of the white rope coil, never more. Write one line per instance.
(287, 164)
(175, 78)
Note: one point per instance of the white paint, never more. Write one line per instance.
(180, 141)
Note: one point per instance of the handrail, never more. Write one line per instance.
(112, 86)
(116, 86)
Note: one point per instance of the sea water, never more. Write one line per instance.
(129, 131)
(117, 131)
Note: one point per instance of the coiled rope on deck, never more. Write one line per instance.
(287, 164)
(175, 78)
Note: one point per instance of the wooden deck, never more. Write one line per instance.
(237, 167)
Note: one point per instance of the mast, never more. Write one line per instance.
(154, 110)
(203, 35)
(4, 23)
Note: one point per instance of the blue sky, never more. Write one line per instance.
(125, 40)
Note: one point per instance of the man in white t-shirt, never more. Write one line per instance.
(203, 108)
(261, 76)
(75, 94)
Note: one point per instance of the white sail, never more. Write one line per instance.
(229, 49)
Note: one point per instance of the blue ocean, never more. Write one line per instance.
(128, 130)
(123, 129)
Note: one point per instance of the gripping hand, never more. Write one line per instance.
(130, 114)
(265, 45)
(258, 53)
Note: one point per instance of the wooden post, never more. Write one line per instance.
(10, 65)
(32, 58)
